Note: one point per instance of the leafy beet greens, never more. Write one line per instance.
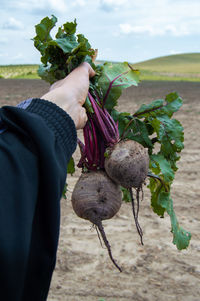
(151, 125)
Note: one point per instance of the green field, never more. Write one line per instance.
(184, 67)
(19, 71)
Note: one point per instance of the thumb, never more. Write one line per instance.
(90, 70)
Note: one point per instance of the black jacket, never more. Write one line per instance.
(37, 139)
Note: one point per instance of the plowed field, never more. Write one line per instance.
(157, 270)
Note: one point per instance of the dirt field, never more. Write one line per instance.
(155, 271)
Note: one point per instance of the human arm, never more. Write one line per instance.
(36, 142)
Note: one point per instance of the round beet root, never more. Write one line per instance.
(127, 163)
(96, 196)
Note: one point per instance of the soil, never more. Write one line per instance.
(155, 271)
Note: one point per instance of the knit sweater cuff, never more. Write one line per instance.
(57, 120)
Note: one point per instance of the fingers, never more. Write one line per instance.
(91, 72)
(82, 119)
(89, 69)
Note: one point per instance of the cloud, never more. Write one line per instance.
(3, 54)
(18, 56)
(172, 51)
(3, 40)
(154, 30)
(38, 6)
(114, 2)
(110, 5)
(79, 3)
(162, 18)
(42, 6)
(12, 24)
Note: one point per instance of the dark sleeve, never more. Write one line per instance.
(36, 143)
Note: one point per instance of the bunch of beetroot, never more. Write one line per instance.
(107, 163)
(118, 152)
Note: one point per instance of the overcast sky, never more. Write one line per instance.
(122, 30)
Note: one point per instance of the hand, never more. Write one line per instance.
(70, 93)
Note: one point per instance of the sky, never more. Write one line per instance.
(121, 30)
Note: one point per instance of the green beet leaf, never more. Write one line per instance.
(138, 131)
(161, 165)
(173, 129)
(126, 197)
(61, 55)
(159, 107)
(64, 192)
(174, 102)
(115, 78)
(70, 27)
(181, 237)
(161, 202)
(156, 188)
(149, 109)
(71, 166)
(43, 29)
(66, 45)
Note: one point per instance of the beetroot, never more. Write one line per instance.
(127, 163)
(95, 198)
